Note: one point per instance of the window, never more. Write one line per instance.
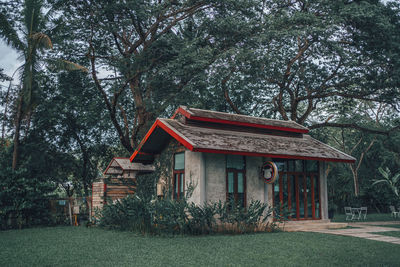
(236, 179)
(179, 175)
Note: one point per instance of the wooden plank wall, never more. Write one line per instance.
(97, 196)
(120, 188)
(110, 190)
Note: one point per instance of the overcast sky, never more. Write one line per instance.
(8, 59)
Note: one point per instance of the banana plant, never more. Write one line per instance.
(391, 181)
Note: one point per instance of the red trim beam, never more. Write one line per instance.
(169, 130)
(255, 154)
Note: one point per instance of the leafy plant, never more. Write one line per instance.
(167, 216)
(391, 180)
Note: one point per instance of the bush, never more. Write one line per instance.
(166, 216)
(24, 201)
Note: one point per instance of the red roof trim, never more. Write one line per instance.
(175, 135)
(153, 127)
(163, 126)
(247, 124)
(206, 150)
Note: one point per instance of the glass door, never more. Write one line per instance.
(297, 195)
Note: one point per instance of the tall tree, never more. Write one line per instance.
(308, 55)
(25, 32)
(154, 51)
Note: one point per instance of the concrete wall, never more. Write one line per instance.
(215, 174)
(193, 173)
(255, 185)
(215, 178)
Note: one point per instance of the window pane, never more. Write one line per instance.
(241, 199)
(175, 192)
(280, 166)
(176, 183)
(291, 165)
(240, 183)
(293, 196)
(312, 166)
(230, 182)
(179, 163)
(301, 195)
(309, 200)
(276, 193)
(299, 166)
(182, 183)
(285, 189)
(316, 196)
(235, 162)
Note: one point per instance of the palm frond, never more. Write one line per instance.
(63, 64)
(396, 178)
(9, 34)
(42, 40)
(385, 173)
(379, 181)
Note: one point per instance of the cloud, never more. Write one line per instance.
(8, 59)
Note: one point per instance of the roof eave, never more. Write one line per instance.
(256, 154)
(170, 130)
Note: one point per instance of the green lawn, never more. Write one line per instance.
(394, 233)
(79, 246)
(373, 217)
(390, 225)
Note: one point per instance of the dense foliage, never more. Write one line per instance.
(332, 66)
(167, 216)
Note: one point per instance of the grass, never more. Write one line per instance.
(373, 217)
(394, 233)
(390, 225)
(80, 246)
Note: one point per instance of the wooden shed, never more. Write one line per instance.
(119, 180)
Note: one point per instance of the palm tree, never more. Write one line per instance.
(30, 42)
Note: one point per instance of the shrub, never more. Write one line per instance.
(24, 200)
(166, 216)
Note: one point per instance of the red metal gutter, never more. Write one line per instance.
(255, 154)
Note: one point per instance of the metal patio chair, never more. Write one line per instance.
(349, 213)
(394, 212)
(363, 212)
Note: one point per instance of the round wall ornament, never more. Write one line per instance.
(269, 172)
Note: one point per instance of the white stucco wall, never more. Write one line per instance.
(193, 173)
(215, 177)
(255, 185)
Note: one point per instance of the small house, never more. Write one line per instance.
(118, 181)
(229, 157)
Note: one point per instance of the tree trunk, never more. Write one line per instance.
(18, 120)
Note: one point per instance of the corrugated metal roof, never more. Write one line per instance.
(223, 117)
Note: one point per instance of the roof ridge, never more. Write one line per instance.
(226, 130)
(243, 115)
